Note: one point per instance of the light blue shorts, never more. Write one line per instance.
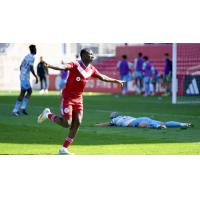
(25, 85)
(126, 78)
(151, 123)
(138, 74)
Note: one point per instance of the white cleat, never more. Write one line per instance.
(43, 116)
(161, 127)
(64, 151)
(46, 91)
(187, 125)
(41, 92)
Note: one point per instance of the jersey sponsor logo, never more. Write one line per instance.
(78, 79)
(192, 88)
(83, 72)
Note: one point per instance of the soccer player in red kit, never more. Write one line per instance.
(72, 100)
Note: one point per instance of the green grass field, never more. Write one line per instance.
(23, 136)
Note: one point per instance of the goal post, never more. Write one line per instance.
(174, 78)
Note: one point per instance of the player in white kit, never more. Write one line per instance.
(25, 68)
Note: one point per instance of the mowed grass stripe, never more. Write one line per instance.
(24, 136)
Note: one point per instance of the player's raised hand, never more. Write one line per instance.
(45, 64)
(122, 83)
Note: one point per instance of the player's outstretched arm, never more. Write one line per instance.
(54, 67)
(61, 67)
(108, 79)
(103, 124)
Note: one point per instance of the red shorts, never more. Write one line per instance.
(69, 106)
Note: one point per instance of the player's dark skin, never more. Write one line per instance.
(74, 123)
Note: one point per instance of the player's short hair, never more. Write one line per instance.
(124, 56)
(32, 48)
(167, 54)
(140, 54)
(83, 51)
(114, 114)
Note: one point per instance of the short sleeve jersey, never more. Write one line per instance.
(78, 77)
(122, 121)
(25, 67)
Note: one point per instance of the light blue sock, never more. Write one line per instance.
(173, 124)
(24, 103)
(17, 105)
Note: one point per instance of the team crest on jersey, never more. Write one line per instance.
(66, 110)
(78, 78)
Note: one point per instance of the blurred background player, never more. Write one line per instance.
(124, 68)
(147, 75)
(141, 122)
(167, 73)
(80, 72)
(138, 65)
(26, 90)
(42, 72)
(63, 78)
(155, 80)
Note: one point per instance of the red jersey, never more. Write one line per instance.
(79, 75)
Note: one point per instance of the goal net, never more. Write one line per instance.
(186, 73)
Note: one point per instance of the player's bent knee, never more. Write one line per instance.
(29, 93)
(67, 122)
(79, 123)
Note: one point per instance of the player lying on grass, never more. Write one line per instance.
(80, 72)
(141, 122)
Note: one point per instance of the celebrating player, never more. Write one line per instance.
(72, 101)
(25, 68)
(142, 122)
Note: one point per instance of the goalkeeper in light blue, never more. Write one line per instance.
(141, 122)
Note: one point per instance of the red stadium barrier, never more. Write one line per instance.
(93, 85)
(188, 61)
(52, 82)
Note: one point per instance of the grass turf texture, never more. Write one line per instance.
(23, 135)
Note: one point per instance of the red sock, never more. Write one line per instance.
(52, 117)
(67, 142)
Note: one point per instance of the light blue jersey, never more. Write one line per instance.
(151, 123)
(134, 122)
(25, 67)
(122, 121)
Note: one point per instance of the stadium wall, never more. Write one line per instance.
(188, 62)
(188, 59)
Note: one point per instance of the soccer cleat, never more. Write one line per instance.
(64, 151)
(43, 116)
(161, 127)
(41, 91)
(16, 114)
(190, 125)
(24, 112)
(187, 125)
